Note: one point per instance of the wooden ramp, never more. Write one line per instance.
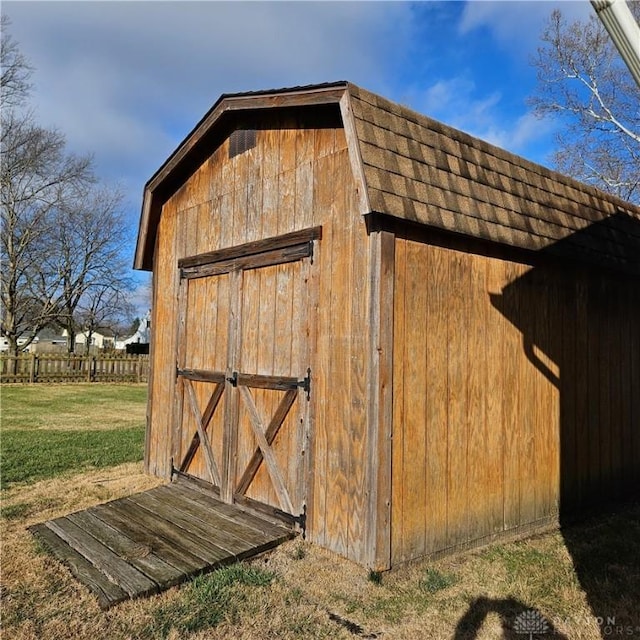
(150, 541)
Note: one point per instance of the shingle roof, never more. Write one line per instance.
(418, 169)
(422, 170)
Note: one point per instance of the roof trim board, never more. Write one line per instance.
(355, 155)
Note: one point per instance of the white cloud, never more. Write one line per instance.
(140, 297)
(128, 80)
(460, 103)
(518, 134)
(517, 25)
(454, 100)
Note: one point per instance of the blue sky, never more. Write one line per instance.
(126, 81)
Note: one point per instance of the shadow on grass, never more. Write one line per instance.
(606, 557)
(518, 620)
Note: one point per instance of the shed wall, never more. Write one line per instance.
(294, 178)
(515, 395)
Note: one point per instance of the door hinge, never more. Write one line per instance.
(300, 520)
(305, 384)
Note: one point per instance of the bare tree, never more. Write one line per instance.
(61, 232)
(103, 307)
(583, 81)
(35, 178)
(87, 238)
(15, 71)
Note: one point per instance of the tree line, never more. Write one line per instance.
(62, 229)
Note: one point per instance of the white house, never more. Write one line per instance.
(48, 340)
(141, 336)
(4, 343)
(102, 339)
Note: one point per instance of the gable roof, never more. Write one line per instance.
(412, 167)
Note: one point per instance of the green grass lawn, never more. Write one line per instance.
(52, 429)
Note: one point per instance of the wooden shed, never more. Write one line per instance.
(400, 338)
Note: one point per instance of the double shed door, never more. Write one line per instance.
(243, 375)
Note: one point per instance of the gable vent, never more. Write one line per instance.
(241, 140)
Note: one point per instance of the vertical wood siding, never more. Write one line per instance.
(515, 395)
(294, 178)
(205, 347)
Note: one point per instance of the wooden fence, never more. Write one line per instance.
(32, 367)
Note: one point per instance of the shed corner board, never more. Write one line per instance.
(355, 156)
(378, 544)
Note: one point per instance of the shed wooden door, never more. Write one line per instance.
(244, 371)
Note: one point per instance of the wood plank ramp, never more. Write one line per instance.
(150, 541)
